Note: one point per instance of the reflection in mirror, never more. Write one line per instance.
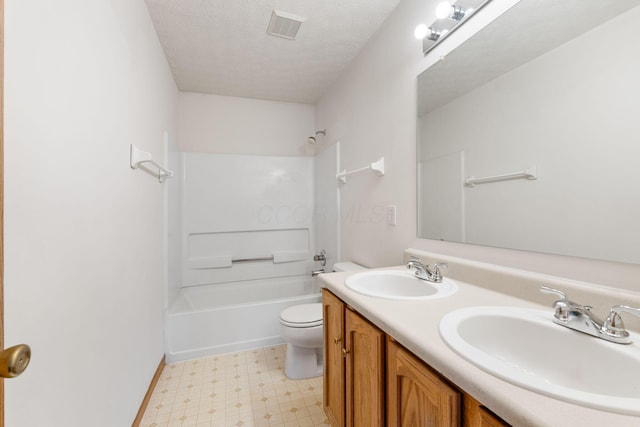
(552, 85)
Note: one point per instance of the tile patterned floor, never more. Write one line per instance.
(247, 389)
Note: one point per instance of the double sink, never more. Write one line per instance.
(524, 346)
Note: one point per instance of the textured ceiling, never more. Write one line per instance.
(222, 47)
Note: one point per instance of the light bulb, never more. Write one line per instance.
(421, 31)
(443, 10)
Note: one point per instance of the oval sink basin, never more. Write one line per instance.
(525, 348)
(400, 285)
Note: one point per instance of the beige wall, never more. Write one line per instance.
(85, 234)
(232, 125)
(371, 111)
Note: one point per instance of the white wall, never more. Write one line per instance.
(232, 125)
(85, 234)
(371, 110)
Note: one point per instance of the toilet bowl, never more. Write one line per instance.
(301, 328)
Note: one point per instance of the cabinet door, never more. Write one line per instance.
(364, 355)
(476, 415)
(416, 396)
(334, 385)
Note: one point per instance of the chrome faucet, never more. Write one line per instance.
(426, 272)
(580, 318)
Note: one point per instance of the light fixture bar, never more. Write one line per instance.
(450, 18)
(434, 35)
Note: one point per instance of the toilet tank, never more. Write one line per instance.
(347, 266)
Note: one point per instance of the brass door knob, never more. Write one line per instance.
(14, 360)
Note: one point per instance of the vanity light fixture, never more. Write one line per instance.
(447, 10)
(429, 33)
(450, 17)
(434, 35)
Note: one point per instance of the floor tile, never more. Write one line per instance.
(245, 389)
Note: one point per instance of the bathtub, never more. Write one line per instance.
(227, 317)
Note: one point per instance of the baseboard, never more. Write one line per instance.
(199, 353)
(147, 397)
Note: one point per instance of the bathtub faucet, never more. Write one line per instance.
(314, 273)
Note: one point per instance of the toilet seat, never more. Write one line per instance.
(302, 316)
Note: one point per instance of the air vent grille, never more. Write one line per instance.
(283, 24)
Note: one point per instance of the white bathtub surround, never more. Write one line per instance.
(415, 325)
(226, 317)
(239, 207)
(327, 202)
(246, 239)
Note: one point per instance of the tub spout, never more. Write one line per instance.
(314, 273)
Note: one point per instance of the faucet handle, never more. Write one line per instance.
(552, 291)
(613, 325)
(625, 309)
(563, 307)
(436, 274)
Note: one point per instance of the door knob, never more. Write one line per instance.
(14, 360)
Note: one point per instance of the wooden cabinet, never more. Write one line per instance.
(416, 396)
(364, 357)
(354, 367)
(476, 415)
(334, 366)
(370, 380)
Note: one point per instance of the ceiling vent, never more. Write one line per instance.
(283, 24)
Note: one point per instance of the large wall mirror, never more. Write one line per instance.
(550, 88)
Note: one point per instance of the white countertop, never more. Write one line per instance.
(414, 324)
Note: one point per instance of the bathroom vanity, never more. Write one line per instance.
(361, 359)
(386, 362)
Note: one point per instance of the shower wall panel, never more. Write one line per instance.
(245, 207)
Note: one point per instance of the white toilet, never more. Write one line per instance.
(301, 328)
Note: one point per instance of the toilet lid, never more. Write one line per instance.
(302, 316)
